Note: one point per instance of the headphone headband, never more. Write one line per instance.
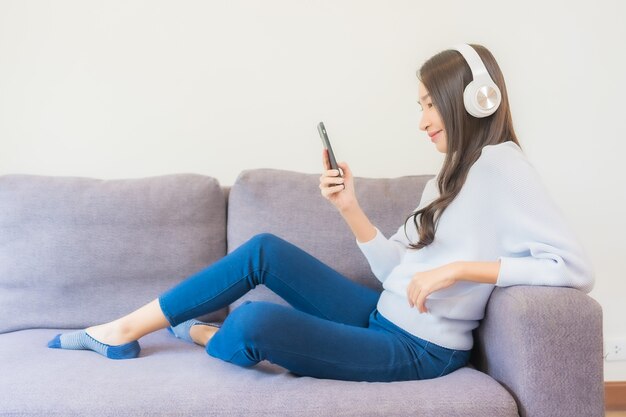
(473, 59)
(481, 96)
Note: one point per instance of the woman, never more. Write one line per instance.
(485, 220)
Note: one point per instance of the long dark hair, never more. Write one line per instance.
(445, 76)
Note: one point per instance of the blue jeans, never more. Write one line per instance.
(333, 330)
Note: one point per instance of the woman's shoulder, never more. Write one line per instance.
(504, 150)
(504, 159)
(504, 172)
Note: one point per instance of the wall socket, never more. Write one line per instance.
(615, 349)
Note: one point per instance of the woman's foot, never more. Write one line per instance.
(195, 331)
(116, 339)
(80, 340)
(202, 334)
(112, 333)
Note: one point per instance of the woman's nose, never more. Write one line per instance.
(424, 122)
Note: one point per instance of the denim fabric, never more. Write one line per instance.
(334, 330)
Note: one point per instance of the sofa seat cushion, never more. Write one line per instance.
(79, 251)
(175, 378)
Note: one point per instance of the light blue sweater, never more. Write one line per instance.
(503, 212)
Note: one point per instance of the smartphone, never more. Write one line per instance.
(326, 142)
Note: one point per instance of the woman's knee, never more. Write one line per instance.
(249, 322)
(266, 241)
(265, 246)
(243, 331)
(252, 320)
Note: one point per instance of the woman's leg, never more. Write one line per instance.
(302, 280)
(133, 326)
(308, 345)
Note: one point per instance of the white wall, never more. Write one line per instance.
(116, 89)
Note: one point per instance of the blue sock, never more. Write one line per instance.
(182, 330)
(81, 340)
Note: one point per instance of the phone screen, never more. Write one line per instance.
(326, 142)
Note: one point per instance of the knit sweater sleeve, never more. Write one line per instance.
(539, 247)
(384, 254)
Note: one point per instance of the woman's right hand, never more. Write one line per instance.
(338, 190)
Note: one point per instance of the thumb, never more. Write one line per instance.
(347, 172)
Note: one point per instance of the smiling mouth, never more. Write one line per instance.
(434, 135)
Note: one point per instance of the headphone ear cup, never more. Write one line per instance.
(481, 98)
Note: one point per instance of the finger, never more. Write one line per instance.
(334, 189)
(329, 191)
(331, 181)
(325, 159)
(324, 178)
(328, 179)
(331, 173)
(344, 167)
(421, 301)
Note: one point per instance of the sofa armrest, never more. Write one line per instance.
(544, 345)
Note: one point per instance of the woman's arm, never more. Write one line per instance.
(538, 245)
(481, 272)
(425, 283)
(340, 192)
(382, 254)
(359, 223)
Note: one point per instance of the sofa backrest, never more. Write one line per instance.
(289, 204)
(76, 251)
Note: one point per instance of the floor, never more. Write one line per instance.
(615, 413)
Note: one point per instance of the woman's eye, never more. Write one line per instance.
(429, 105)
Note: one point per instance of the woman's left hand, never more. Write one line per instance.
(425, 283)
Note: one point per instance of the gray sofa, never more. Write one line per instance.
(78, 251)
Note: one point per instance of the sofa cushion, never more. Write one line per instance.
(289, 204)
(76, 251)
(175, 378)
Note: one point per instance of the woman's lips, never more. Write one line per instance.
(434, 135)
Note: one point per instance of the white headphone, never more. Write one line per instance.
(481, 96)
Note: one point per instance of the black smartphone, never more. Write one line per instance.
(326, 142)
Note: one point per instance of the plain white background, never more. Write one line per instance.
(134, 88)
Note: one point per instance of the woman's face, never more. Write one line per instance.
(431, 121)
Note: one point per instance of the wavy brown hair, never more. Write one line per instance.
(445, 76)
